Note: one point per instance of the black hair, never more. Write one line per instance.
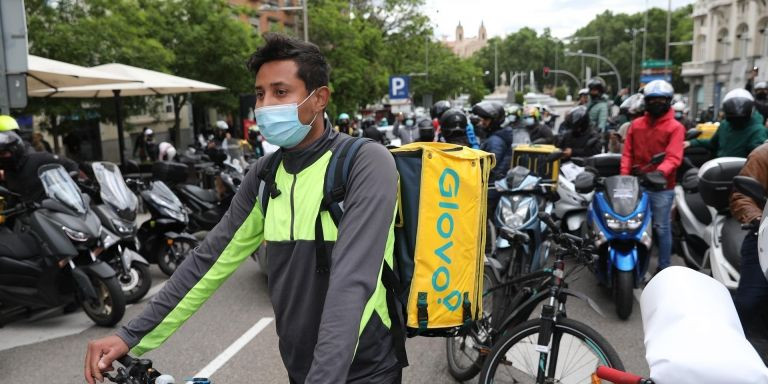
(313, 68)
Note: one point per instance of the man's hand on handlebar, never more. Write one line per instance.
(100, 355)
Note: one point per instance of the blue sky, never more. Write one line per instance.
(502, 17)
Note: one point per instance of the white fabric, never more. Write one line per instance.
(46, 73)
(693, 334)
(166, 148)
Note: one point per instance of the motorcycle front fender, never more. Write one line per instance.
(129, 256)
(624, 261)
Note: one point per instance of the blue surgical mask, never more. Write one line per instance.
(409, 123)
(280, 124)
(529, 121)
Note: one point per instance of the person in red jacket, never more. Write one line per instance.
(657, 131)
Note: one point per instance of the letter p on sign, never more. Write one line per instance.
(398, 87)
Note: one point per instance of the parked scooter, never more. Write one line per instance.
(163, 238)
(725, 234)
(206, 209)
(523, 195)
(116, 206)
(691, 216)
(571, 206)
(48, 261)
(620, 224)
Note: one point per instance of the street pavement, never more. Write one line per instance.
(232, 338)
(40, 351)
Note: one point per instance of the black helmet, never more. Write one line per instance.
(368, 121)
(738, 105)
(453, 123)
(596, 83)
(439, 108)
(12, 149)
(426, 131)
(578, 118)
(490, 110)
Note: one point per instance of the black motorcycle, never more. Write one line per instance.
(116, 206)
(48, 256)
(163, 238)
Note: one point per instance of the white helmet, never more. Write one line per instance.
(148, 132)
(221, 124)
(679, 106)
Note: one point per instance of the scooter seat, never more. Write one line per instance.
(207, 195)
(18, 246)
(698, 207)
(732, 237)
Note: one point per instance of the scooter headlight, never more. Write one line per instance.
(75, 235)
(123, 227)
(515, 217)
(180, 216)
(612, 222)
(635, 222)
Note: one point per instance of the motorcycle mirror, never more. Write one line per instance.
(751, 188)
(74, 174)
(658, 158)
(692, 134)
(585, 182)
(5, 192)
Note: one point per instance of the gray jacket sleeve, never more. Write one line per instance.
(235, 237)
(356, 260)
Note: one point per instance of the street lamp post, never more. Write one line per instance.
(610, 64)
(302, 8)
(634, 32)
(582, 38)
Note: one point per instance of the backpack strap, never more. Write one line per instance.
(268, 186)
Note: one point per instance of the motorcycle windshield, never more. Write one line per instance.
(59, 186)
(167, 198)
(114, 191)
(623, 194)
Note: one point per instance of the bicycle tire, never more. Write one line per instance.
(605, 354)
(453, 345)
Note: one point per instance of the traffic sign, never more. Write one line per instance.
(399, 87)
(656, 64)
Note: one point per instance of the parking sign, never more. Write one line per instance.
(398, 87)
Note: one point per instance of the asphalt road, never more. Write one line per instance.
(52, 350)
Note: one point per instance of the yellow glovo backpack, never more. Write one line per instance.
(440, 235)
(436, 280)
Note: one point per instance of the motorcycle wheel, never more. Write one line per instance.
(109, 306)
(136, 283)
(624, 284)
(172, 255)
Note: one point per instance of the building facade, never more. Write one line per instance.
(466, 46)
(267, 20)
(730, 37)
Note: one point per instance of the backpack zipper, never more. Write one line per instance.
(293, 215)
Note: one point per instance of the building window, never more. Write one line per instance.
(701, 48)
(722, 45)
(762, 38)
(742, 41)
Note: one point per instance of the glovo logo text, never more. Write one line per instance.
(448, 205)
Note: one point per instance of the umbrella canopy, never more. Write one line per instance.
(152, 83)
(50, 74)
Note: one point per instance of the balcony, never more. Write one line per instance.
(695, 68)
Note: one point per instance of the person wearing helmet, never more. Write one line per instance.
(598, 106)
(344, 124)
(740, 132)
(8, 123)
(632, 108)
(513, 112)
(139, 146)
(438, 108)
(370, 130)
(255, 140)
(655, 132)
(681, 114)
(761, 100)
(751, 298)
(499, 142)
(20, 166)
(405, 128)
(583, 96)
(453, 127)
(538, 133)
(548, 117)
(580, 140)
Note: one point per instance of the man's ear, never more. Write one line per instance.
(322, 96)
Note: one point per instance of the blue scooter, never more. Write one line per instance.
(521, 246)
(619, 221)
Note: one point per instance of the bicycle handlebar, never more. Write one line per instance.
(620, 377)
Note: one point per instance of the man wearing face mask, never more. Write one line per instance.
(680, 115)
(740, 132)
(331, 323)
(655, 132)
(538, 133)
(761, 100)
(405, 128)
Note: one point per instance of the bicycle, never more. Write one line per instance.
(140, 371)
(543, 349)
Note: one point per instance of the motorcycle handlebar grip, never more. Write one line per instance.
(126, 360)
(618, 377)
(547, 219)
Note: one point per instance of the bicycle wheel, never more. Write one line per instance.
(464, 354)
(578, 352)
